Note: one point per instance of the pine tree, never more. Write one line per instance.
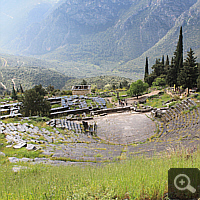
(189, 73)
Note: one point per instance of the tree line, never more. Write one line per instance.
(178, 73)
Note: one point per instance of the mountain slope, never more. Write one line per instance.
(67, 23)
(190, 21)
(108, 37)
(138, 29)
(16, 16)
(116, 28)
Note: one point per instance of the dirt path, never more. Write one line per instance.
(131, 100)
(14, 83)
(4, 64)
(3, 85)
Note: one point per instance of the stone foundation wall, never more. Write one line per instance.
(81, 92)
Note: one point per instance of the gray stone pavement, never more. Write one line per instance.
(125, 128)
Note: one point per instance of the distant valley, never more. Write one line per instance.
(15, 70)
(89, 38)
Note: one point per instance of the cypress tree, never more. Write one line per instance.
(21, 89)
(166, 66)
(167, 61)
(146, 73)
(178, 57)
(146, 68)
(14, 95)
(163, 66)
(163, 60)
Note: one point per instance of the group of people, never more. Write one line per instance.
(123, 102)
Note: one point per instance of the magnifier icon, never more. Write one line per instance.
(182, 182)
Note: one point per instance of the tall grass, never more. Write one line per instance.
(137, 178)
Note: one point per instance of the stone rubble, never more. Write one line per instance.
(17, 168)
(2, 154)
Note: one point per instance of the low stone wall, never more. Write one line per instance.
(111, 110)
(144, 110)
(67, 112)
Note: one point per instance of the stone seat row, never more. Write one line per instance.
(176, 119)
(176, 111)
(73, 126)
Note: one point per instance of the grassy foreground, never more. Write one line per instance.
(138, 178)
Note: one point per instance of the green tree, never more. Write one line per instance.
(159, 82)
(171, 74)
(84, 82)
(198, 79)
(146, 73)
(33, 103)
(21, 89)
(50, 88)
(167, 61)
(163, 60)
(149, 79)
(14, 94)
(158, 68)
(125, 84)
(40, 90)
(2, 89)
(178, 58)
(166, 65)
(137, 88)
(198, 83)
(189, 73)
(113, 86)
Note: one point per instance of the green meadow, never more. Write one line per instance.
(137, 178)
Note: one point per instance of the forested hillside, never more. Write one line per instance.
(99, 82)
(19, 70)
